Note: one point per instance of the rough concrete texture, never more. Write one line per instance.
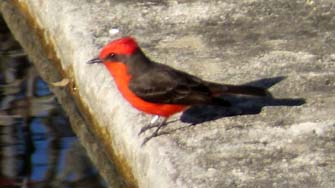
(287, 46)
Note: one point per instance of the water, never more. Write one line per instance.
(37, 145)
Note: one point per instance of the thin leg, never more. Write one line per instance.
(162, 124)
(155, 133)
(153, 123)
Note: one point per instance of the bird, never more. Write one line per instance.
(159, 89)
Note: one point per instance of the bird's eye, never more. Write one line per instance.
(111, 55)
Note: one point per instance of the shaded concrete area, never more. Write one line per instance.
(286, 140)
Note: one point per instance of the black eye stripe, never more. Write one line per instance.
(117, 57)
(111, 57)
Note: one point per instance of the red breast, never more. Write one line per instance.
(127, 46)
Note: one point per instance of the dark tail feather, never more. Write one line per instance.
(245, 90)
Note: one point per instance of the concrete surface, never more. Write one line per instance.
(287, 46)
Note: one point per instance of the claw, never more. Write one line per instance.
(143, 129)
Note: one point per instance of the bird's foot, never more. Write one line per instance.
(153, 123)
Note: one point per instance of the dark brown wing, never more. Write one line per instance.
(163, 84)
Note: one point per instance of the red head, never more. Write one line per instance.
(122, 46)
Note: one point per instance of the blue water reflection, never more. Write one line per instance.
(37, 145)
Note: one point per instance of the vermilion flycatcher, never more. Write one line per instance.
(158, 89)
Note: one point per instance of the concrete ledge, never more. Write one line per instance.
(285, 45)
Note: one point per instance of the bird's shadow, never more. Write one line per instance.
(240, 104)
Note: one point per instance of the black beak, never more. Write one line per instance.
(95, 60)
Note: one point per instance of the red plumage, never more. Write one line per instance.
(158, 89)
